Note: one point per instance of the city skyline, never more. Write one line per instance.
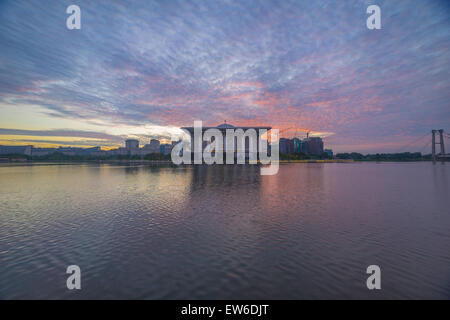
(134, 147)
(146, 69)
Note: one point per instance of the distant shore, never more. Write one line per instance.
(169, 162)
(158, 158)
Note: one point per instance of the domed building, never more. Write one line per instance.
(224, 129)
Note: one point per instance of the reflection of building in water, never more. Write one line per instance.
(223, 129)
(225, 176)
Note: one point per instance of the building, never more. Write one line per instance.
(166, 148)
(69, 151)
(131, 144)
(152, 147)
(290, 145)
(329, 152)
(223, 129)
(97, 152)
(22, 150)
(309, 146)
(297, 145)
(121, 152)
(39, 152)
(286, 145)
(312, 146)
(132, 147)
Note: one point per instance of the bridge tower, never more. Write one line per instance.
(434, 143)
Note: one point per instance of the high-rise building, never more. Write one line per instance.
(287, 145)
(132, 146)
(313, 145)
(283, 145)
(297, 145)
(153, 147)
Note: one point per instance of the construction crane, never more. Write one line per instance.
(294, 132)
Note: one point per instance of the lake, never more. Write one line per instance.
(225, 232)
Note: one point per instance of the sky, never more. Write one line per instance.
(143, 69)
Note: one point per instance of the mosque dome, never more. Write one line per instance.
(225, 126)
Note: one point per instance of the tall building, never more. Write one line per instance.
(132, 146)
(297, 145)
(313, 145)
(283, 145)
(152, 147)
(287, 145)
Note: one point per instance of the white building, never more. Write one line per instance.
(132, 147)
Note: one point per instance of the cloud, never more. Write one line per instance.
(85, 138)
(304, 64)
(60, 133)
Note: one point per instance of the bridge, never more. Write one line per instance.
(441, 156)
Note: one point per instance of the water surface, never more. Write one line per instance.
(225, 232)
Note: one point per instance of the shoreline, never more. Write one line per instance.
(169, 162)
